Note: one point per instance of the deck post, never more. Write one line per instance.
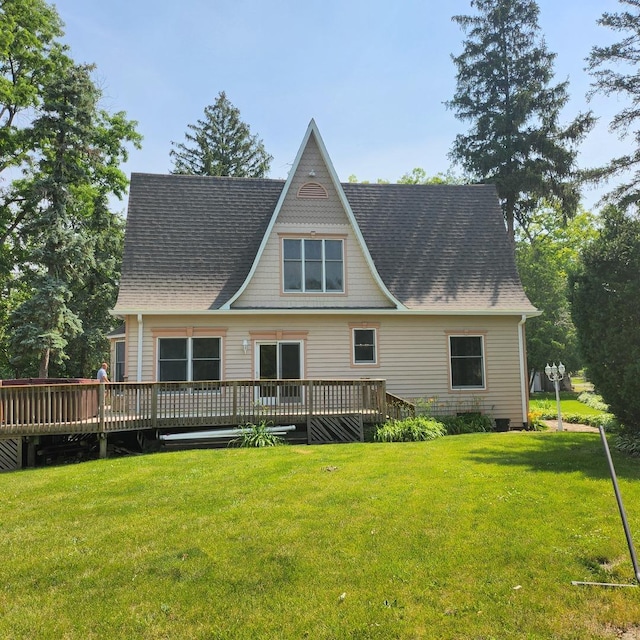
(234, 412)
(309, 406)
(102, 440)
(31, 450)
(154, 406)
(382, 404)
(101, 401)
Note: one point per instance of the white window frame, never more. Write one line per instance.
(303, 290)
(117, 363)
(482, 357)
(189, 354)
(364, 363)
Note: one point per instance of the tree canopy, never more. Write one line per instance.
(545, 257)
(505, 91)
(65, 153)
(605, 306)
(221, 144)
(615, 71)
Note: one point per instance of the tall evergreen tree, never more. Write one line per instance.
(615, 71)
(504, 90)
(80, 149)
(221, 145)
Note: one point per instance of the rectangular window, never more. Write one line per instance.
(118, 373)
(467, 362)
(364, 346)
(188, 359)
(313, 266)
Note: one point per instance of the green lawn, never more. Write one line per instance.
(473, 536)
(569, 404)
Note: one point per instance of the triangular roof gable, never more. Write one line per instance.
(312, 130)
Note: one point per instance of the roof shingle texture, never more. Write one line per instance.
(191, 241)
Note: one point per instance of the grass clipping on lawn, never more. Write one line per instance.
(473, 536)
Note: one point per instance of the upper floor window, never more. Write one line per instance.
(188, 359)
(467, 362)
(313, 266)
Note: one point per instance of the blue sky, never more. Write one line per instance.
(373, 74)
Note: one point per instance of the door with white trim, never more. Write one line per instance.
(278, 361)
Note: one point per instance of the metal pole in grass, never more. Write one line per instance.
(623, 516)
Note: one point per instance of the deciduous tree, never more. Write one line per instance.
(545, 257)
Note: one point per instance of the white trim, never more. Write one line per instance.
(333, 311)
(313, 129)
(524, 378)
(303, 265)
(140, 345)
(484, 362)
(364, 363)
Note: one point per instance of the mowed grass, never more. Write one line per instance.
(569, 404)
(474, 536)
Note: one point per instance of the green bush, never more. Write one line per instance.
(410, 430)
(629, 443)
(467, 423)
(257, 435)
(593, 400)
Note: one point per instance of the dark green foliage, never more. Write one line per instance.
(66, 226)
(615, 71)
(504, 90)
(221, 145)
(467, 423)
(410, 430)
(628, 443)
(606, 312)
(545, 256)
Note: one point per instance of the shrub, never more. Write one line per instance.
(257, 435)
(593, 400)
(628, 442)
(467, 423)
(410, 430)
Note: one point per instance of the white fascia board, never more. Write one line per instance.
(352, 219)
(272, 222)
(328, 312)
(313, 129)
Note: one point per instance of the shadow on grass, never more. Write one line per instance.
(559, 453)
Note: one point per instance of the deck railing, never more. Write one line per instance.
(100, 408)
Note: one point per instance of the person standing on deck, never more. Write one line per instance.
(102, 373)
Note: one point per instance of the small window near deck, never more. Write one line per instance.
(364, 346)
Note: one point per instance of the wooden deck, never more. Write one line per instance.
(35, 410)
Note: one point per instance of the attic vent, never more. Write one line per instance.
(312, 190)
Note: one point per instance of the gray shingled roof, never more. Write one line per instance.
(191, 241)
(439, 246)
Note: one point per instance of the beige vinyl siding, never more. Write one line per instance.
(318, 218)
(413, 352)
(312, 211)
